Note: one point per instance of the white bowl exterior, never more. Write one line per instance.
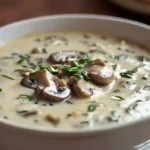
(119, 139)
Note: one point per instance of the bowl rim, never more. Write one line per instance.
(13, 125)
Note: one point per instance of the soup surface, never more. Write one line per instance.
(73, 80)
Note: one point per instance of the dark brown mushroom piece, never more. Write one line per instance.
(66, 56)
(97, 62)
(84, 89)
(99, 73)
(26, 82)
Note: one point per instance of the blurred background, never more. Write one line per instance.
(14, 10)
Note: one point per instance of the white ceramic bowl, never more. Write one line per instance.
(121, 137)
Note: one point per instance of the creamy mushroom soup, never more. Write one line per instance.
(73, 80)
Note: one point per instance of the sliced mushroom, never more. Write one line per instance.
(43, 77)
(66, 56)
(56, 94)
(99, 72)
(102, 75)
(97, 62)
(29, 83)
(83, 88)
(53, 92)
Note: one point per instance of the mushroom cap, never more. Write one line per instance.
(66, 55)
(102, 75)
(43, 77)
(53, 92)
(83, 88)
(97, 62)
(29, 83)
(56, 94)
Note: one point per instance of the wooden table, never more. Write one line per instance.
(13, 10)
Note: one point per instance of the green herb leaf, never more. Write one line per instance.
(52, 70)
(49, 68)
(66, 68)
(69, 102)
(145, 77)
(70, 69)
(127, 74)
(19, 70)
(85, 76)
(117, 98)
(84, 122)
(76, 64)
(85, 59)
(21, 61)
(92, 107)
(0, 89)
(7, 77)
(44, 51)
(22, 111)
(5, 117)
(24, 96)
(114, 67)
(74, 70)
(77, 77)
(114, 116)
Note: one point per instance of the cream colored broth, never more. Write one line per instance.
(132, 98)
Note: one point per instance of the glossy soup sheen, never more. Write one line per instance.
(125, 99)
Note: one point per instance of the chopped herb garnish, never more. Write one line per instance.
(66, 68)
(5, 117)
(52, 70)
(36, 121)
(118, 57)
(42, 67)
(114, 67)
(24, 96)
(32, 65)
(69, 115)
(69, 102)
(51, 104)
(85, 59)
(77, 77)
(114, 116)
(117, 98)
(44, 104)
(84, 122)
(128, 74)
(7, 77)
(24, 66)
(44, 51)
(0, 89)
(21, 61)
(76, 64)
(85, 76)
(131, 107)
(84, 114)
(19, 70)
(144, 60)
(22, 111)
(146, 88)
(49, 68)
(145, 77)
(116, 91)
(70, 69)
(92, 107)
